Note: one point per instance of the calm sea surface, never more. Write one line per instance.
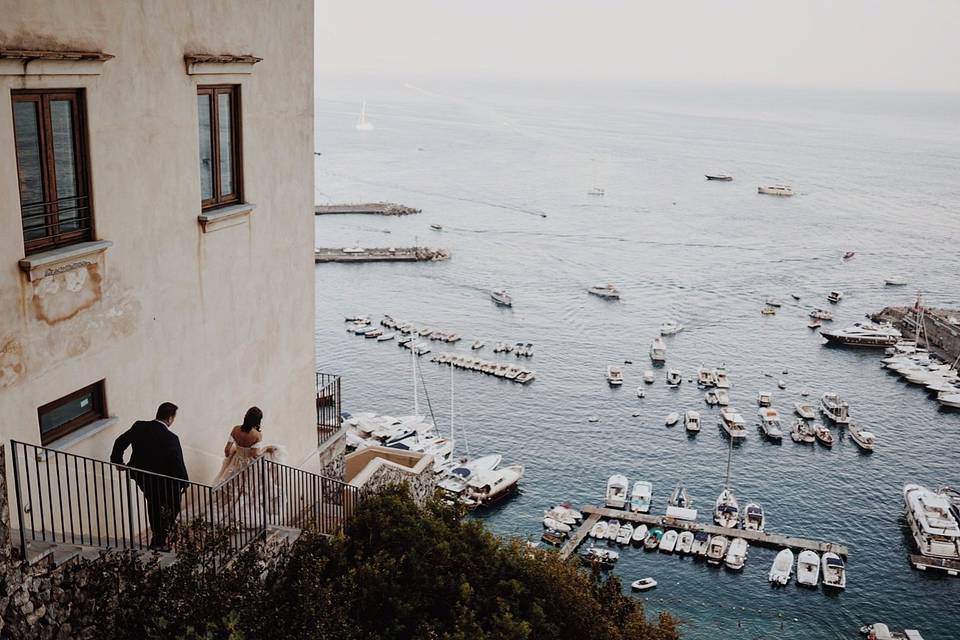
(874, 174)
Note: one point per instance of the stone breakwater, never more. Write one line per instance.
(369, 208)
(390, 254)
(940, 326)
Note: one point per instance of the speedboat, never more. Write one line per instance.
(641, 393)
(617, 487)
(564, 512)
(701, 540)
(648, 376)
(493, 486)
(824, 436)
(679, 497)
(691, 421)
(669, 541)
(607, 291)
(670, 327)
(820, 314)
(753, 518)
(849, 255)
(736, 555)
(641, 496)
(773, 302)
(726, 513)
(603, 558)
(705, 377)
(596, 191)
(808, 568)
(643, 584)
(710, 397)
(658, 350)
(674, 378)
(720, 376)
(436, 227)
(782, 568)
(457, 477)
(684, 542)
(863, 438)
(776, 190)
(599, 530)
(477, 345)
(805, 410)
(834, 297)
(951, 400)
(717, 549)
(770, 423)
(802, 433)
(833, 570)
(639, 534)
(672, 419)
(555, 525)
(864, 334)
(815, 324)
(834, 408)
(895, 282)
(723, 398)
(626, 533)
(764, 399)
(768, 311)
(722, 177)
(613, 529)
(733, 423)
(615, 375)
(933, 523)
(555, 538)
(384, 337)
(653, 539)
(501, 297)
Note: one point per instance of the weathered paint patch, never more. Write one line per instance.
(62, 296)
(11, 362)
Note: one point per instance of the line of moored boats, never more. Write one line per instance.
(502, 370)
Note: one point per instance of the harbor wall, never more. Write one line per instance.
(940, 326)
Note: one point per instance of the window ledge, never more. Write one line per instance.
(224, 217)
(200, 64)
(76, 437)
(63, 259)
(20, 62)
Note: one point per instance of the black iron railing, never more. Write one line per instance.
(328, 406)
(64, 498)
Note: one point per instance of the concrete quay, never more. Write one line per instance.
(391, 254)
(369, 208)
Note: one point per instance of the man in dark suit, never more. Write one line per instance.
(155, 449)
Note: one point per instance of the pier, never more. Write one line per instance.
(941, 328)
(391, 254)
(369, 208)
(952, 567)
(652, 520)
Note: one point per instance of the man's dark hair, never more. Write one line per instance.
(166, 411)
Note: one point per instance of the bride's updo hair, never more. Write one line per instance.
(252, 419)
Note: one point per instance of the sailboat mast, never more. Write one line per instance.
(726, 483)
(413, 362)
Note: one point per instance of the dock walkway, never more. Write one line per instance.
(952, 567)
(756, 537)
(370, 208)
(392, 254)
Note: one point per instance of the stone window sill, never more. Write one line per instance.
(76, 437)
(63, 259)
(199, 64)
(17, 62)
(224, 217)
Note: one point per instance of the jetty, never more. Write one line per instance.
(389, 254)
(369, 208)
(763, 538)
(941, 328)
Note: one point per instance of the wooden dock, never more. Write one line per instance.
(764, 538)
(392, 254)
(952, 567)
(369, 208)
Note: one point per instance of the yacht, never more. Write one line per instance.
(805, 410)
(808, 568)
(823, 435)
(833, 571)
(615, 375)
(723, 398)
(501, 297)
(456, 478)
(605, 291)
(834, 297)
(864, 334)
(685, 542)
(821, 314)
(648, 376)
(641, 496)
(670, 328)
(835, 409)
(691, 421)
(726, 512)
(717, 549)
(679, 497)
(932, 522)
(672, 419)
(863, 438)
(493, 486)
(736, 555)
(782, 568)
(802, 433)
(658, 350)
(776, 190)
(733, 423)
(669, 541)
(674, 378)
(721, 379)
(753, 517)
(722, 177)
(617, 487)
(764, 399)
(770, 423)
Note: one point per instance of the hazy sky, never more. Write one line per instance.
(875, 44)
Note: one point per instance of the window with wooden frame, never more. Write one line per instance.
(221, 167)
(71, 412)
(49, 129)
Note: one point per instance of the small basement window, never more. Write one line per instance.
(71, 412)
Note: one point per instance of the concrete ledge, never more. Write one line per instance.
(63, 259)
(21, 62)
(199, 64)
(78, 436)
(224, 217)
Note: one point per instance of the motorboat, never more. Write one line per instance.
(717, 549)
(674, 378)
(501, 297)
(711, 398)
(834, 408)
(776, 190)
(726, 513)
(691, 421)
(723, 398)
(554, 525)
(669, 541)
(670, 327)
(864, 334)
(816, 323)
(436, 227)
(648, 376)
(490, 487)
(641, 496)
(617, 488)
(764, 399)
(476, 346)
(823, 435)
(768, 311)
(895, 282)
(376, 333)
(721, 378)
(457, 477)
(782, 568)
(613, 529)
(643, 584)
(701, 541)
(933, 523)
(773, 302)
(564, 512)
(641, 393)
(795, 296)
(684, 542)
(672, 419)
(951, 400)
(596, 191)
(770, 423)
(596, 556)
(834, 297)
(554, 538)
(357, 319)
(658, 350)
(880, 631)
(721, 177)
(821, 314)
(802, 433)
(653, 539)
(705, 377)
(679, 497)
(599, 530)
(384, 337)
(808, 568)
(625, 534)
(607, 291)
(833, 571)
(781, 384)
(733, 423)
(753, 517)
(864, 439)
(639, 534)
(849, 255)
(805, 410)
(614, 375)
(736, 556)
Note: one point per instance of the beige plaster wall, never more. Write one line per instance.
(214, 322)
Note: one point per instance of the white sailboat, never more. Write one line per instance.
(362, 123)
(726, 512)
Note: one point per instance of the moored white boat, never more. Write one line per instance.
(802, 432)
(674, 378)
(933, 524)
(711, 398)
(733, 423)
(721, 379)
(625, 534)
(770, 423)
(614, 375)
(669, 541)
(701, 540)
(864, 439)
(670, 327)
(736, 556)
(835, 296)
(658, 350)
(613, 529)
(643, 584)
(501, 297)
(617, 487)
(648, 376)
(672, 419)
(808, 568)
(684, 542)
(607, 291)
(717, 549)
(805, 410)
(782, 568)
(823, 435)
(691, 421)
(726, 512)
(833, 571)
(764, 399)
(599, 530)
(753, 517)
(641, 496)
(821, 314)
(834, 408)
(493, 486)
(776, 190)
(864, 334)
(639, 534)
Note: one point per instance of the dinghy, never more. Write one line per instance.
(643, 584)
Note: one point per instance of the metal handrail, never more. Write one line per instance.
(328, 406)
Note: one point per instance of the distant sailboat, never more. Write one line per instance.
(362, 123)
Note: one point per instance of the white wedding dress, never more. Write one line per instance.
(242, 490)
